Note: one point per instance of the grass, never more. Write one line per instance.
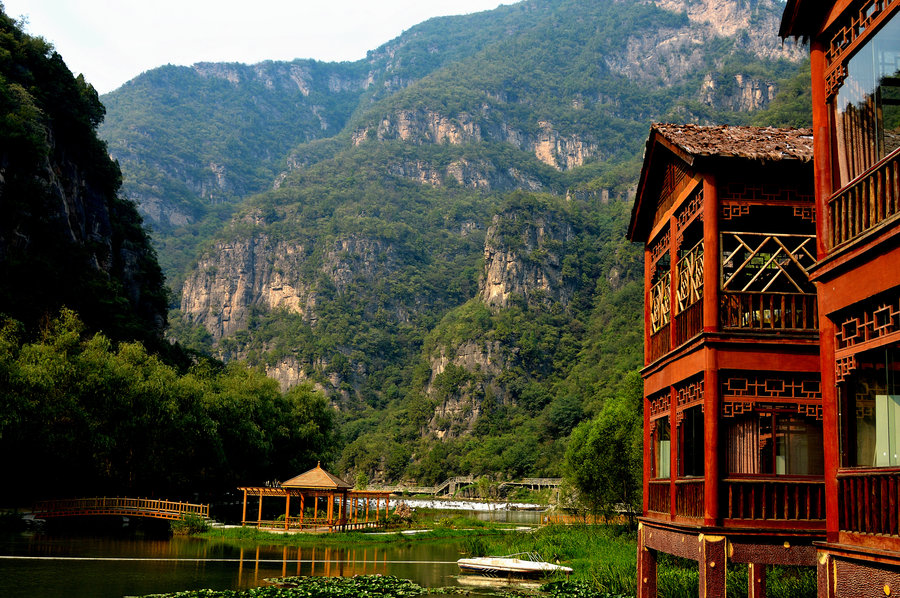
(605, 562)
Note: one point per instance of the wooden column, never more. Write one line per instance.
(377, 507)
(646, 567)
(259, 513)
(756, 580)
(287, 509)
(711, 320)
(673, 448)
(316, 506)
(302, 507)
(648, 284)
(244, 515)
(711, 257)
(821, 148)
(330, 508)
(712, 566)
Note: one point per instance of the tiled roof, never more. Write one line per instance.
(753, 143)
(316, 478)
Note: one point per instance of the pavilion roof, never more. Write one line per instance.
(752, 143)
(317, 478)
(710, 147)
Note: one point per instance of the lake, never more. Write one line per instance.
(45, 565)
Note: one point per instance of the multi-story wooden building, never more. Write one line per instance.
(855, 60)
(733, 452)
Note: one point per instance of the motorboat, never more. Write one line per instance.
(522, 564)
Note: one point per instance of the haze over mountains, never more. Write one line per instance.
(434, 235)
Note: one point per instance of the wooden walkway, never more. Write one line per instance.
(129, 507)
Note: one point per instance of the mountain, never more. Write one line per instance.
(67, 238)
(435, 235)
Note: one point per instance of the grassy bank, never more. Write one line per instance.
(441, 528)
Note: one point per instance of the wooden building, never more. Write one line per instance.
(318, 500)
(733, 457)
(855, 62)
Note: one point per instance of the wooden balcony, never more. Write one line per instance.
(865, 203)
(756, 500)
(769, 312)
(660, 344)
(868, 502)
(689, 323)
(689, 497)
(659, 499)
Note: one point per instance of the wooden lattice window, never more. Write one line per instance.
(767, 263)
(690, 277)
(660, 304)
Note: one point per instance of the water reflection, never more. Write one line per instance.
(81, 567)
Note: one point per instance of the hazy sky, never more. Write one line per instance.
(112, 41)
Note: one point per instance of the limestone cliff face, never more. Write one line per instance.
(524, 259)
(739, 93)
(235, 276)
(561, 151)
(754, 20)
(457, 412)
(472, 174)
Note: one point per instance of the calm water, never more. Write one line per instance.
(36, 565)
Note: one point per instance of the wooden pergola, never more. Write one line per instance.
(325, 502)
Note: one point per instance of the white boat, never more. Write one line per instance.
(511, 566)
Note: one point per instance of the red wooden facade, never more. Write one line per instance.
(733, 397)
(855, 60)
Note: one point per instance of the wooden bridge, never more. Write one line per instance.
(128, 507)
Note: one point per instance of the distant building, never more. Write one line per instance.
(733, 418)
(855, 58)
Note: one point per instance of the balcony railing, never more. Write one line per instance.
(660, 344)
(659, 500)
(689, 498)
(769, 311)
(772, 499)
(689, 323)
(864, 204)
(867, 502)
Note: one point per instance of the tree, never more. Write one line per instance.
(603, 458)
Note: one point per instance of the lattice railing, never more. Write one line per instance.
(773, 499)
(689, 498)
(768, 311)
(867, 502)
(659, 499)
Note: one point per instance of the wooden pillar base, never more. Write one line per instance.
(756, 580)
(646, 567)
(712, 566)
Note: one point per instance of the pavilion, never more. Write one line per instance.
(325, 502)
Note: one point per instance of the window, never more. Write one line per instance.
(870, 412)
(662, 449)
(866, 110)
(691, 443)
(775, 441)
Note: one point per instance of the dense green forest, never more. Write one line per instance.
(92, 399)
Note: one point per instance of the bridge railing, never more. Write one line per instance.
(146, 507)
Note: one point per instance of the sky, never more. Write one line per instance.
(113, 41)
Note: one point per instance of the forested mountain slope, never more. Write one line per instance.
(437, 240)
(66, 237)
